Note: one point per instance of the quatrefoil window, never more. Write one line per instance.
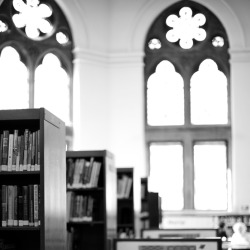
(186, 28)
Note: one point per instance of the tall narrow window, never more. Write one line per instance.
(49, 78)
(14, 85)
(188, 130)
(36, 58)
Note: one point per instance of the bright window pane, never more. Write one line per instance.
(52, 88)
(209, 97)
(14, 83)
(210, 170)
(165, 96)
(166, 174)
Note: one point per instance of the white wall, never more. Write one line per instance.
(109, 37)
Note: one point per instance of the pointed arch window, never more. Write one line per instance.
(187, 108)
(36, 41)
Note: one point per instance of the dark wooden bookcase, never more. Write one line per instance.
(51, 233)
(125, 206)
(99, 232)
(150, 207)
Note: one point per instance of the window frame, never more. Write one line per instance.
(32, 51)
(188, 133)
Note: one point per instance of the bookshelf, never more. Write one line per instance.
(91, 208)
(150, 207)
(42, 227)
(125, 203)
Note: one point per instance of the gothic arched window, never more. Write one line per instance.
(188, 130)
(36, 58)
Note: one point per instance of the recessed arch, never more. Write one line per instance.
(153, 8)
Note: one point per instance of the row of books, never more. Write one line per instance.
(82, 173)
(6, 245)
(231, 220)
(20, 151)
(20, 205)
(124, 186)
(80, 207)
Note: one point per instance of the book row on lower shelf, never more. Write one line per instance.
(82, 173)
(20, 150)
(20, 205)
(4, 245)
(80, 207)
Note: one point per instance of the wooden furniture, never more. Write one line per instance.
(50, 234)
(125, 203)
(213, 243)
(150, 207)
(97, 228)
(178, 232)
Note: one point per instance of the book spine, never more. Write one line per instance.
(10, 221)
(10, 152)
(26, 145)
(21, 153)
(5, 150)
(25, 206)
(36, 206)
(18, 153)
(4, 205)
(29, 156)
(38, 150)
(1, 151)
(20, 206)
(33, 150)
(31, 205)
(14, 150)
(15, 205)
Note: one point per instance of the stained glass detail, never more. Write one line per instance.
(210, 171)
(165, 96)
(32, 16)
(209, 95)
(154, 44)
(14, 83)
(166, 174)
(218, 41)
(3, 26)
(186, 28)
(62, 38)
(52, 89)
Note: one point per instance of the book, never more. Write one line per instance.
(29, 155)
(10, 205)
(97, 166)
(14, 149)
(15, 205)
(128, 187)
(33, 150)
(18, 153)
(5, 150)
(10, 152)
(21, 153)
(4, 204)
(26, 145)
(25, 206)
(36, 206)
(20, 206)
(1, 151)
(31, 205)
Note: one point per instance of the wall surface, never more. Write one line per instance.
(109, 37)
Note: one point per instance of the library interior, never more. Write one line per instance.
(111, 135)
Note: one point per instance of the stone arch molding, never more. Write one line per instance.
(220, 8)
(75, 15)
